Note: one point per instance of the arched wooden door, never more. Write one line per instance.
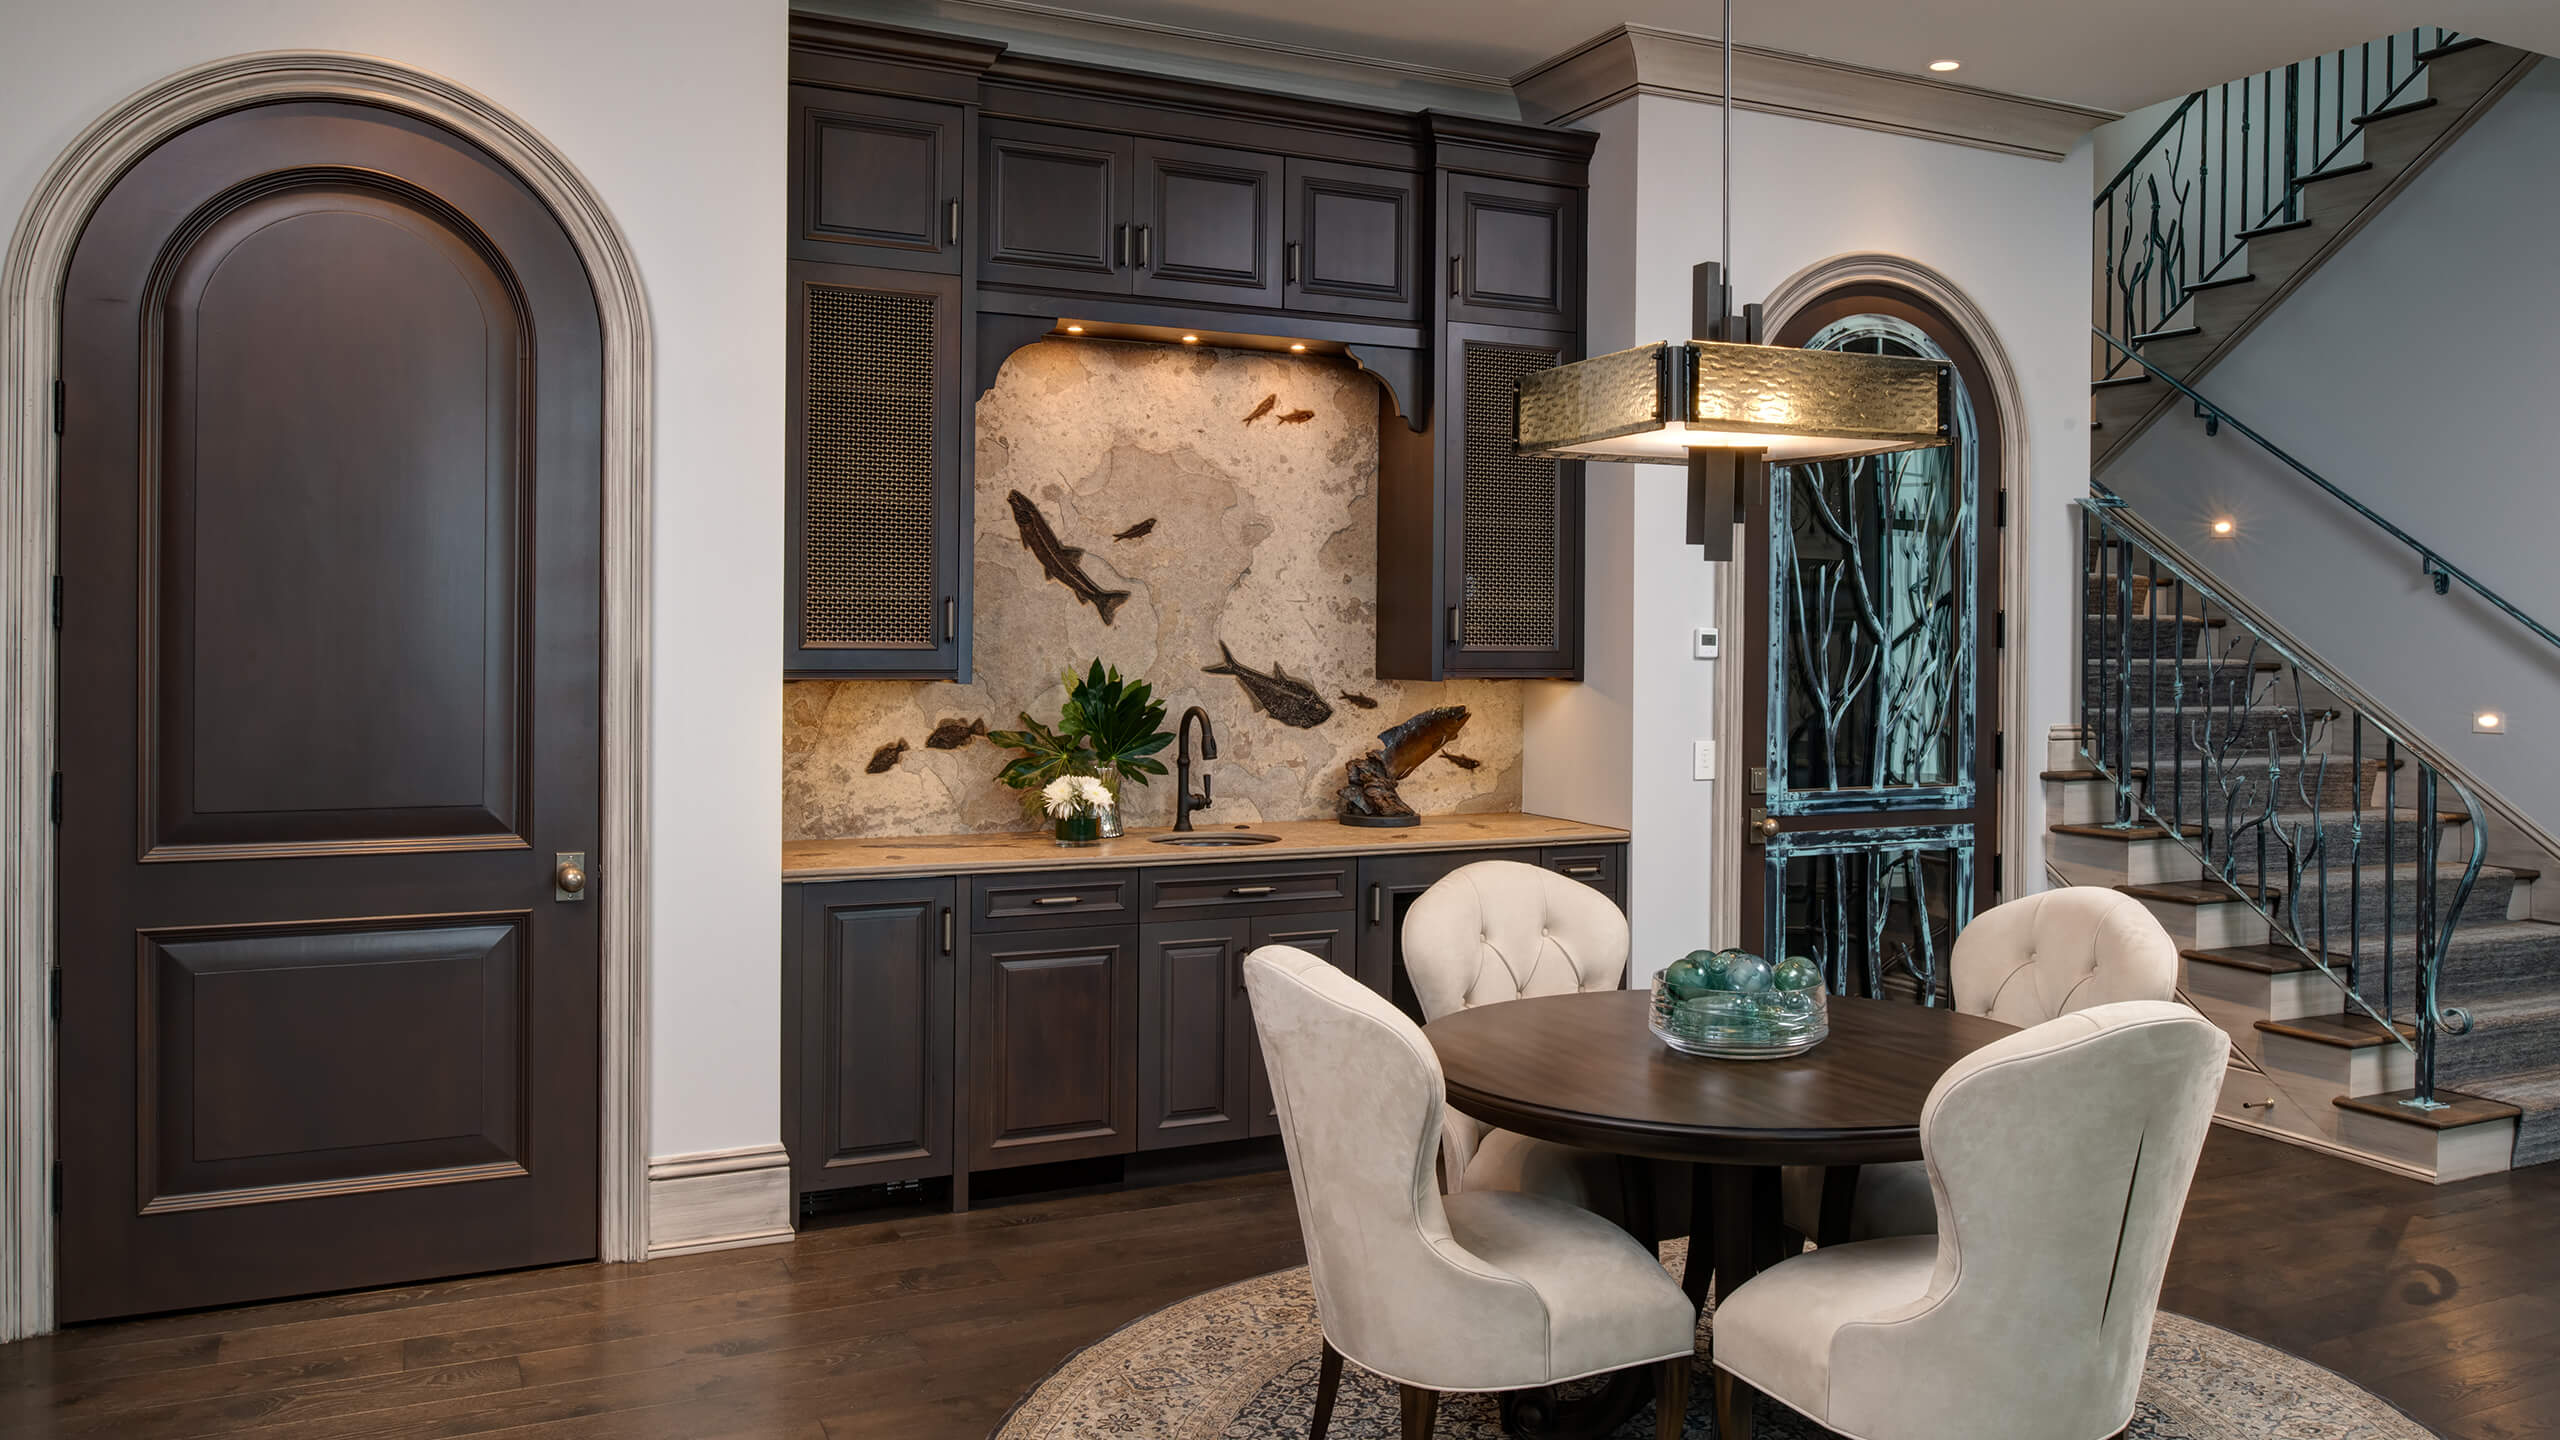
(330, 661)
(1873, 627)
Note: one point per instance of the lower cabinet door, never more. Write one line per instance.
(867, 1042)
(1332, 938)
(1052, 1045)
(1193, 1033)
(1389, 884)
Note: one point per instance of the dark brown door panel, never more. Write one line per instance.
(1333, 938)
(1193, 1034)
(877, 179)
(1052, 1046)
(1208, 223)
(873, 984)
(1517, 252)
(331, 561)
(1353, 244)
(1057, 208)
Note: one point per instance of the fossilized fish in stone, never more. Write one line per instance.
(1419, 738)
(953, 733)
(1265, 408)
(1279, 694)
(1060, 561)
(1363, 701)
(885, 759)
(1463, 762)
(1297, 417)
(1138, 531)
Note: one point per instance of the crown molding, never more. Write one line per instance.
(1639, 60)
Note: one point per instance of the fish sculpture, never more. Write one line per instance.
(1296, 417)
(1278, 694)
(953, 733)
(885, 759)
(1139, 531)
(1368, 795)
(1363, 701)
(1463, 762)
(1060, 561)
(1265, 408)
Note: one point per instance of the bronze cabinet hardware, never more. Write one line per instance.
(569, 875)
(950, 618)
(1146, 247)
(1294, 250)
(951, 224)
(946, 929)
(1377, 903)
(1453, 624)
(1457, 268)
(1058, 900)
(1124, 246)
(1580, 869)
(1253, 890)
(1760, 828)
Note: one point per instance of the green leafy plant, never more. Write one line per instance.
(1108, 727)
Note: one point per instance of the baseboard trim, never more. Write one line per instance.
(719, 1200)
(2328, 1147)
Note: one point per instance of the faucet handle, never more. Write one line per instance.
(1208, 785)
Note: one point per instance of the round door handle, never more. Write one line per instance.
(1767, 827)
(571, 879)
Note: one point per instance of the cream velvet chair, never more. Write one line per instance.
(2060, 1158)
(2024, 962)
(1500, 930)
(1487, 1290)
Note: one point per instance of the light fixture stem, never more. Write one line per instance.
(1724, 204)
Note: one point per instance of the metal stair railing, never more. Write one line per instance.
(2229, 758)
(2231, 161)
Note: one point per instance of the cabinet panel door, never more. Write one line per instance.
(1517, 249)
(1389, 884)
(1511, 527)
(1208, 223)
(876, 179)
(1332, 938)
(1057, 209)
(1052, 1046)
(876, 558)
(1353, 245)
(872, 1033)
(1602, 867)
(1193, 1034)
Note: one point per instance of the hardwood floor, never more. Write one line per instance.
(927, 1326)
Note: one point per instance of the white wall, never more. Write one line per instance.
(2010, 232)
(673, 109)
(2415, 370)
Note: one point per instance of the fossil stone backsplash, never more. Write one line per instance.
(1232, 496)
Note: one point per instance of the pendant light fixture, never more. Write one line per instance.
(1664, 402)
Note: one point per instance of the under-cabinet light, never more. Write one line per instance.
(1298, 349)
(1075, 329)
(1190, 339)
(1943, 66)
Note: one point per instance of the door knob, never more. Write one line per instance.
(1761, 828)
(569, 875)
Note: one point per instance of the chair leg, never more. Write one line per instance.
(1733, 1408)
(1328, 1383)
(1671, 1398)
(1421, 1408)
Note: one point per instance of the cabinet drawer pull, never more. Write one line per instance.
(951, 224)
(1453, 624)
(1293, 262)
(1124, 248)
(1456, 266)
(1580, 869)
(1377, 903)
(1146, 249)
(946, 929)
(1253, 889)
(950, 618)
(1059, 900)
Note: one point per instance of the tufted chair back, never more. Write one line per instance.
(2059, 951)
(1500, 930)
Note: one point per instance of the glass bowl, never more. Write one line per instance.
(1758, 1024)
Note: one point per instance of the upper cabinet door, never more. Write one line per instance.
(1057, 208)
(1208, 223)
(1514, 252)
(1352, 245)
(1512, 530)
(877, 180)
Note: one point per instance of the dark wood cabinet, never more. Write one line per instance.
(1352, 240)
(1602, 867)
(1332, 937)
(877, 179)
(1514, 251)
(879, 501)
(1053, 1029)
(1056, 215)
(1195, 1038)
(1206, 223)
(868, 974)
(1389, 884)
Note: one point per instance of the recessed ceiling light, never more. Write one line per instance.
(1943, 66)
(2224, 526)
(1190, 339)
(2488, 722)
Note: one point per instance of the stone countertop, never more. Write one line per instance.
(869, 858)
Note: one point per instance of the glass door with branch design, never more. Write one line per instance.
(1874, 586)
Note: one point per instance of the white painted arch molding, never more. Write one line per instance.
(30, 283)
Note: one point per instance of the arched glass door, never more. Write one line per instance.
(1874, 586)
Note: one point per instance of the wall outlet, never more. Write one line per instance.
(1702, 760)
(1703, 646)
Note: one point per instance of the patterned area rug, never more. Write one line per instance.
(1240, 1364)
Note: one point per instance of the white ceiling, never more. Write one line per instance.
(2116, 55)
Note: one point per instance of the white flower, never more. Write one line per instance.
(1096, 795)
(1059, 796)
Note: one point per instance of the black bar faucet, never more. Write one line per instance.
(1184, 802)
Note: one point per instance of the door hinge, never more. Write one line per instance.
(57, 602)
(2001, 507)
(57, 797)
(58, 403)
(2000, 629)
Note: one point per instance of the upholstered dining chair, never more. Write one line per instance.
(2060, 1158)
(2025, 962)
(1500, 930)
(1486, 1290)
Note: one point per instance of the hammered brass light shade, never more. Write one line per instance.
(1659, 402)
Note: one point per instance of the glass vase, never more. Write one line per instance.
(1081, 828)
(1111, 818)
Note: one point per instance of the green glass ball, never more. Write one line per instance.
(1748, 972)
(1686, 977)
(1798, 973)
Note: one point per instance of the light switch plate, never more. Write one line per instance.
(1702, 763)
(1703, 645)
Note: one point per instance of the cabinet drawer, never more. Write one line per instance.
(1177, 892)
(1052, 899)
(1593, 865)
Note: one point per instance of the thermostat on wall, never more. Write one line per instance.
(1704, 645)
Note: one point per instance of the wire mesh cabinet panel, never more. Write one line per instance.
(877, 499)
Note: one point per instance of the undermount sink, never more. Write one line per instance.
(1206, 839)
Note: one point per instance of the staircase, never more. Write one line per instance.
(2388, 994)
(2246, 188)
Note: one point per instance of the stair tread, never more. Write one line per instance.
(2225, 283)
(2198, 892)
(2128, 834)
(2263, 959)
(2388, 112)
(2460, 1109)
(2345, 1032)
(2277, 228)
(2334, 172)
